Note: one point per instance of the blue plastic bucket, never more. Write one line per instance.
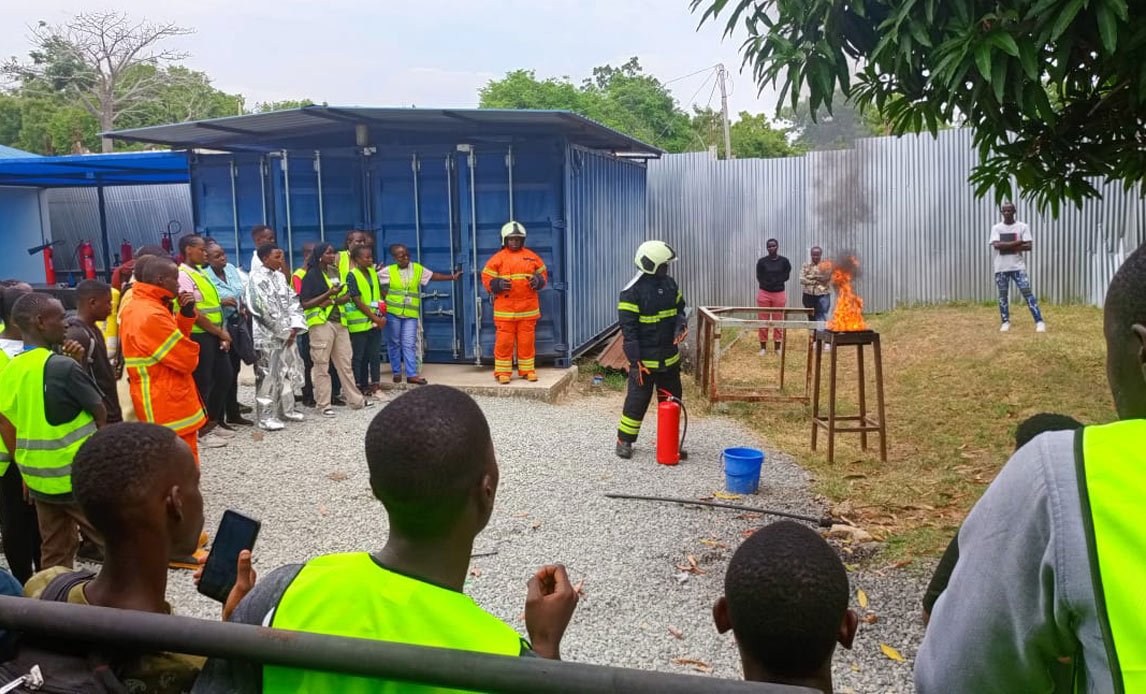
(742, 469)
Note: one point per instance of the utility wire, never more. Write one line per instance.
(677, 79)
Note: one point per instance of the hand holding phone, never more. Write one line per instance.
(221, 572)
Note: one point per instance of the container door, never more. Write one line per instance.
(483, 208)
(412, 204)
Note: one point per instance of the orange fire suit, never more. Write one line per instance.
(516, 311)
(161, 358)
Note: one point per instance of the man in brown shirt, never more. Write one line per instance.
(93, 304)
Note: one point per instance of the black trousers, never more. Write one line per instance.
(213, 375)
(303, 341)
(366, 362)
(232, 404)
(638, 396)
(19, 526)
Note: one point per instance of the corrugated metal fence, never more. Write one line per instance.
(902, 205)
(137, 214)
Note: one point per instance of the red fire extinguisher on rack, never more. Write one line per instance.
(49, 266)
(87, 260)
(670, 436)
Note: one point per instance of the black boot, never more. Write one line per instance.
(624, 449)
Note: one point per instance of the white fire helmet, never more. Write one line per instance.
(511, 228)
(651, 255)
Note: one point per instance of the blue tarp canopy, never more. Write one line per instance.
(89, 170)
(318, 127)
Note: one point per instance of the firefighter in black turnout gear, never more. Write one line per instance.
(653, 322)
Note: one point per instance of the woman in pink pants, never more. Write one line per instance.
(772, 273)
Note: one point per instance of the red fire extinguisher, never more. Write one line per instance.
(49, 267)
(125, 251)
(670, 436)
(87, 260)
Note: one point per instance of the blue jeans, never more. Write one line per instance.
(1003, 282)
(819, 305)
(402, 344)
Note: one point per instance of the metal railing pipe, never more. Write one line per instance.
(439, 667)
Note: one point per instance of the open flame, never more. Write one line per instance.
(849, 307)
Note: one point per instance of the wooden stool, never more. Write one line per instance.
(865, 422)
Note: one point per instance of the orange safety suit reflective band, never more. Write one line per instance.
(161, 358)
(515, 312)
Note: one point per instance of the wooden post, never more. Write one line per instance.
(879, 402)
(832, 402)
(862, 397)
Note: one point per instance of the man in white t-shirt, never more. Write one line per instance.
(1011, 239)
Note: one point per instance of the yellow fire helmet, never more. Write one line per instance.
(511, 228)
(651, 255)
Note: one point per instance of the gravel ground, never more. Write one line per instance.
(556, 463)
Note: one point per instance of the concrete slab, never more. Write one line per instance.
(551, 382)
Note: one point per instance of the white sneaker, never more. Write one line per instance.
(272, 424)
(294, 416)
(1005, 327)
(1040, 327)
(763, 352)
(328, 412)
(212, 441)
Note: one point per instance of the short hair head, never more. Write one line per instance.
(431, 462)
(153, 267)
(136, 474)
(1124, 323)
(1041, 423)
(265, 250)
(29, 307)
(151, 251)
(787, 595)
(260, 232)
(189, 240)
(359, 251)
(8, 298)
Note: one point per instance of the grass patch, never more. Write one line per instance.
(955, 389)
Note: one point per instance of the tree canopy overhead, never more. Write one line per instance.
(1055, 90)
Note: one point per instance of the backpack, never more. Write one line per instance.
(52, 666)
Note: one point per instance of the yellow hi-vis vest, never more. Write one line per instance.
(357, 321)
(319, 314)
(210, 306)
(344, 265)
(44, 452)
(1111, 462)
(351, 595)
(404, 300)
(5, 456)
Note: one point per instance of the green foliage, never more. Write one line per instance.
(993, 66)
(268, 106)
(626, 99)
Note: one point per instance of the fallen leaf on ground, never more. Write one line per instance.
(869, 619)
(577, 588)
(748, 533)
(322, 509)
(899, 564)
(698, 665)
(258, 436)
(849, 567)
(338, 476)
(536, 525)
(722, 495)
(676, 632)
(521, 515)
(713, 543)
(748, 516)
(891, 653)
(856, 667)
(692, 566)
(475, 572)
(861, 597)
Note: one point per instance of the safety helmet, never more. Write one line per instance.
(651, 255)
(511, 228)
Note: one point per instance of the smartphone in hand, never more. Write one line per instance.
(236, 533)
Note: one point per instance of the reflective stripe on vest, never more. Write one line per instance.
(1110, 460)
(654, 364)
(320, 314)
(44, 452)
(401, 299)
(5, 456)
(356, 320)
(210, 306)
(351, 595)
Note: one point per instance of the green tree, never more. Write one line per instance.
(268, 106)
(993, 66)
(10, 121)
(755, 136)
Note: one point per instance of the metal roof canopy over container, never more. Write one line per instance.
(96, 171)
(442, 182)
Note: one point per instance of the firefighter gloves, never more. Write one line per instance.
(497, 285)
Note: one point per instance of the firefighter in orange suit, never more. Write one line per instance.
(159, 354)
(513, 276)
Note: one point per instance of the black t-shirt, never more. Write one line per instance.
(773, 273)
(68, 390)
(97, 364)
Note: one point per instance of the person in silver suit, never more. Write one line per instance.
(278, 318)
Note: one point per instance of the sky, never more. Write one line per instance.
(429, 53)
